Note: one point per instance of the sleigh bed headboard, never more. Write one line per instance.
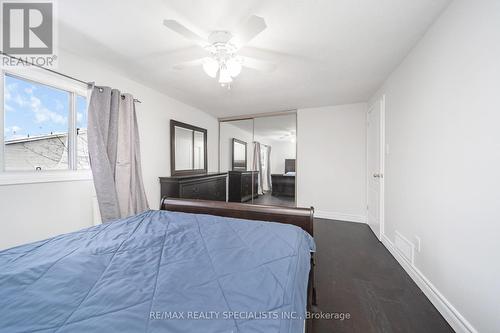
(301, 217)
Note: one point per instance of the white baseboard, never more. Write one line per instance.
(339, 216)
(447, 310)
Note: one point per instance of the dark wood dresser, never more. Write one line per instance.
(208, 186)
(283, 185)
(240, 185)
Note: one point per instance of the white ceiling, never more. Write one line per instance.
(327, 51)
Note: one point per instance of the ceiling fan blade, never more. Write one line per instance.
(272, 56)
(183, 31)
(260, 65)
(192, 63)
(167, 59)
(247, 31)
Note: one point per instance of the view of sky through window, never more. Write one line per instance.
(81, 112)
(36, 125)
(33, 109)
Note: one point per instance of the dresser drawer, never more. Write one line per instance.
(209, 187)
(192, 191)
(219, 190)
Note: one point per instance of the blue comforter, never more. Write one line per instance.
(159, 272)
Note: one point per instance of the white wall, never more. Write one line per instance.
(443, 167)
(38, 211)
(331, 158)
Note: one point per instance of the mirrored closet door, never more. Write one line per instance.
(259, 155)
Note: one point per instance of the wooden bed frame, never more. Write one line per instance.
(301, 217)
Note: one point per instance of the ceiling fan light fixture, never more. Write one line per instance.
(234, 67)
(222, 62)
(224, 76)
(211, 66)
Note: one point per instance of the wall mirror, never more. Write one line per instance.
(239, 153)
(188, 149)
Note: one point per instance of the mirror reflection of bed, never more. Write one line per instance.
(282, 189)
(259, 155)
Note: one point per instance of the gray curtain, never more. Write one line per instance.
(257, 165)
(113, 140)
(268, 168)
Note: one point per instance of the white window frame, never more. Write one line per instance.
(75, 88)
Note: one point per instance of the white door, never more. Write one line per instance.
(375, 167)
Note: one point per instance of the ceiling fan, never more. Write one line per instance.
(223, 61)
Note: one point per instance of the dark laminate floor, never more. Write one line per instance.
(355, 273)
(268, 199)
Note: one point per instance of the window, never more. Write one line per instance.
(82, 152)
(44, 124)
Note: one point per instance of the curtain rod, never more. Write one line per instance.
(89, 84)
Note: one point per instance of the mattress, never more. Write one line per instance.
(159, 271)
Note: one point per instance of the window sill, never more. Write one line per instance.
(28, 177)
